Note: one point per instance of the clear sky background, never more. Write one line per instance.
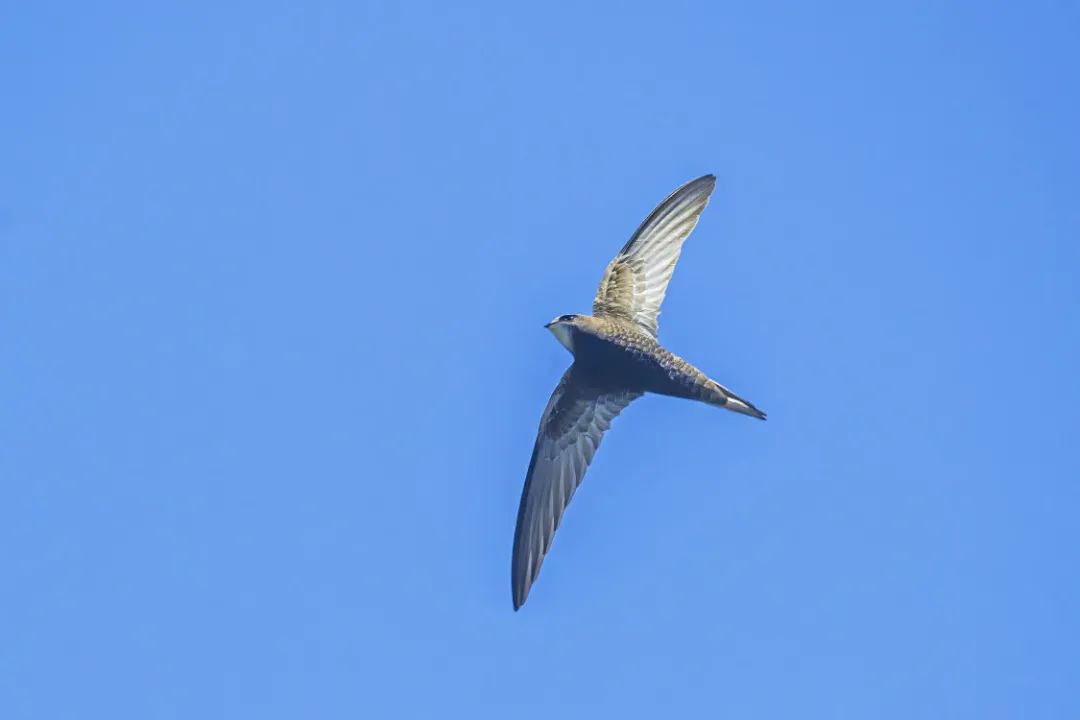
(272, 285)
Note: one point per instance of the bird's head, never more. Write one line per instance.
(562, 328)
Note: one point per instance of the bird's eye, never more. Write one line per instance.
(566, 318)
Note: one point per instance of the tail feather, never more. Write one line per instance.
(726, 399)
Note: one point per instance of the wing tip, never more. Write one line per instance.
(696, 191)
(519, 595)
(708, 179)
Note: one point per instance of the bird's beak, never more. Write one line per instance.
(548, 325)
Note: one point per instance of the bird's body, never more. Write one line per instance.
(617, 358)
(614, 353)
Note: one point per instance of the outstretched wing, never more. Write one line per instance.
(635, 281)
(574, 422)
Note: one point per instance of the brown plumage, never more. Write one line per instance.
(617, 358)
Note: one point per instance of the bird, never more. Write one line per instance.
(617, 359)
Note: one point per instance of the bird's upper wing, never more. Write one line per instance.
(635, 281)
(574, 422)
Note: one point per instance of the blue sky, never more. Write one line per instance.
(272, 285)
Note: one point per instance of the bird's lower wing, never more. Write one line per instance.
(574, 422)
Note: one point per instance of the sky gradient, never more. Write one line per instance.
(273, 280)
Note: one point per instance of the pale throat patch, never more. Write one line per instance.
(564, 335)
